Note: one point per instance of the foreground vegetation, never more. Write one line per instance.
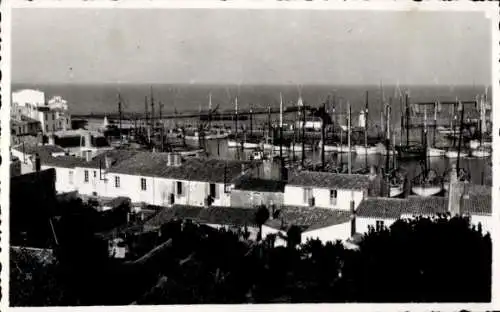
(420, 260)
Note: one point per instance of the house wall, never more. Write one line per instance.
(331, 233)
(362, 224)
(63, 182)
(250, 199)
(158, 191)
(487, 222)
(294, 196)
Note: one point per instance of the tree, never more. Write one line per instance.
(294, 236)
(261, 216)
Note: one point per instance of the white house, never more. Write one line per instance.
(84, 175)
(163, 179)
(53, 115)
(316, 223)
(325, 190)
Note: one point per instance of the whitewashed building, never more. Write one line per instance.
(52, 116)
(325, 190)
(164, 179)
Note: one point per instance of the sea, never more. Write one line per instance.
(103, 98)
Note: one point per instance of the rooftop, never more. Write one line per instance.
(206, 215)
(308, 218)
(42, 150)
(246, 183)
(195, 169)
(329, 180)
(117, 156)
(478, 201)
(394, 208)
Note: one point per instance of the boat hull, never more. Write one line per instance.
(454, 154)
(479, 153)
(232, 143)
(426, 191)
(396, 190)
(435, 152)
(474, 144)
(361, 150)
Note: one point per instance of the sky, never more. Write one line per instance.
(236, 46)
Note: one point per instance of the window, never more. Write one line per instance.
(179, 188)
(117, 181)
(70, 179)
(86, 178)
(307, 195)
(95, 174)
(379, 225)
(46, 128)
(143, 184)
(333, 197)
(213, 190)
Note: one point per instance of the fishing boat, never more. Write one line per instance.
(481, 152)
(463, 176)
(428, 182)
(396, 183)
(210, 135)
(328, 147)
(435, 152)
(362, 123)
(474, 144)
(368, 150)
(297, 147)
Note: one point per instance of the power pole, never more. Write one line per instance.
(120, 117)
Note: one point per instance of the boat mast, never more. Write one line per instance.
(120, 117)
(365, 126)
(460, 136)
(281, 136)
(152, 113)
(303, 134)
(407, 124)
(236, 117)
(323, 137)
(453, 122)
(349, 138)
(162, 128)
(388, 134)
(146, 119)
(435, 124)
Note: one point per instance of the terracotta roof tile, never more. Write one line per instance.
(195, 169)
(329, 180)
(206, 215)
(308, 218)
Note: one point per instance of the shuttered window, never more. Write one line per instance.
(143, 184)
(86, 176)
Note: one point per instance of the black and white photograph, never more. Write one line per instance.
(251, 154)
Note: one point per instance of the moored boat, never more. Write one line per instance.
(481, 152)
(427, 184)
(435, 152)
(369, 150)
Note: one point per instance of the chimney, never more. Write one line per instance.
(37, 163)
(88, 139)
(176, 159)
(353, 219)
(88, 156)
(455, 192)
(51, 139)
(267, 167)
(108, 161)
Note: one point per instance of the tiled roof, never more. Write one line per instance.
(207, 215)
(43, 150)
(259, 185)
(117, 157)
(195, 169)
(420, 206)
(308, 218)
(478, 201)
(328, 180)
(393, 208)
(385, 208)
(29, 119)
(62, 161)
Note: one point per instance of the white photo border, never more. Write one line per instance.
(491, 10)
